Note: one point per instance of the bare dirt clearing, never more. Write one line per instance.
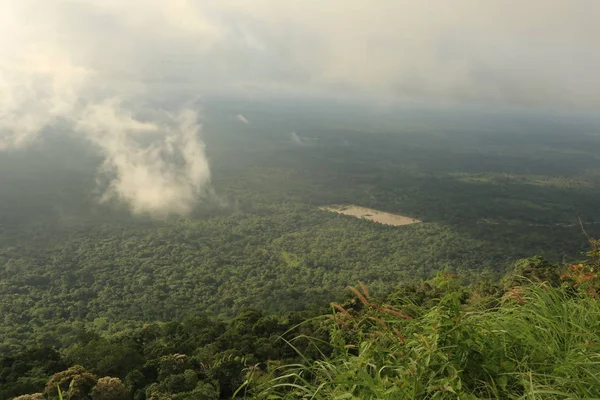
(372, 215)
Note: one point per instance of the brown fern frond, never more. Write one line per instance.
(342, 310)
(396, 313)
(364, 289)
(376, 334)
(375, 306)
(399, 335)
(518, 296)
(339, 321)
(342, 323)
(379, 321)
(359, 295)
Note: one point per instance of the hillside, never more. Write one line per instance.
(532, 336)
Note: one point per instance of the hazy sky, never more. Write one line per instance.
(528, 52)
(80, 60)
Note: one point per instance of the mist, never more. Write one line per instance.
(242, 119)
(162, 177)
(99, 68)
(155, 165)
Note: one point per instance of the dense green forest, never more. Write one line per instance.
(533, 335)
(191, 304)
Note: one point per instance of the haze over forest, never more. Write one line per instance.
(133, 79)
(196, 178)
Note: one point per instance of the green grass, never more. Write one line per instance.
(539, 342)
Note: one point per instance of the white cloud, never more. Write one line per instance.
(296, 139)
(38, 81)
(165, 177)
(301, 141)
(242, 119)
(154, 166)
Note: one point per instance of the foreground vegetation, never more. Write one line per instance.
(532, 336)
(529, 342)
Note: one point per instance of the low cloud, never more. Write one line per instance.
(155, 168)
(301, 141)
(155, 165)
(36, 89)
(241, 118)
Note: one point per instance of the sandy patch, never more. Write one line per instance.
(372, 215)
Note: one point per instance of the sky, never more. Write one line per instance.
(101, 64)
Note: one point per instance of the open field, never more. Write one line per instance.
(372, 215)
